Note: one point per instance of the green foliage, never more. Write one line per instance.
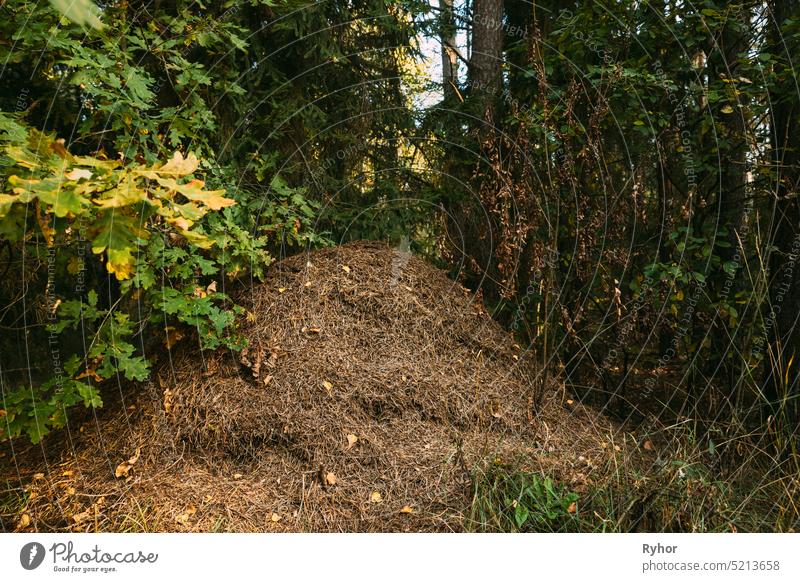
(126, 93)
(73, 204)
(509, 501)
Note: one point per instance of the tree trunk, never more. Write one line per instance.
(447, 36)
(485, 72)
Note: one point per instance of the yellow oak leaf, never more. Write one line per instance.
(179, 165)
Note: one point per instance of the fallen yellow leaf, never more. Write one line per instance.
(345, 268)
(375, 497)
(82, 516)
(24, 520)
(183, 518)
(275, 518)
(330, 479)
(351, 440)
(328, 386)
(168, 400)
(407, 509)
(124, 468)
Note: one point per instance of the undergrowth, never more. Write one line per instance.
(685, 488)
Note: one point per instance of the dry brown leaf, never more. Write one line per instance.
(407, 509)
(351, 440)
(267, 380)
(648, 446)
(375, 497)
(172, 337)
(570, 402)
(167, 400)
(82, 516)
(573, 507)
(212, 287)
(330, 479)
(184, 517)
(38, 476)
(310, 329)
(124, 468)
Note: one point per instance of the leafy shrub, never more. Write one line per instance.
(510, 501)
(164, 239)
(112, 244)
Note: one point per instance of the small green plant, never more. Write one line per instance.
(517, 501)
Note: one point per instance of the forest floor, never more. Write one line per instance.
(375, 395)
